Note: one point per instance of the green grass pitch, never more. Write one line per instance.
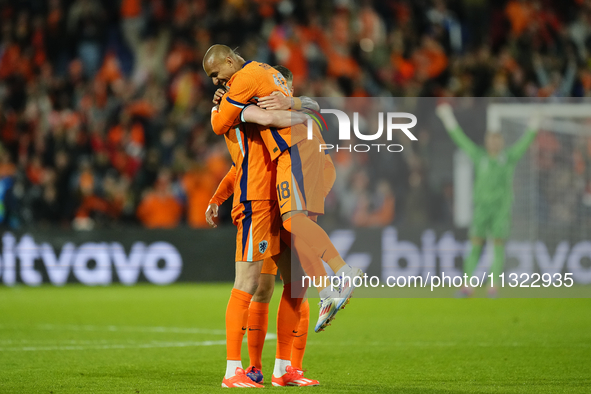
(149, 339)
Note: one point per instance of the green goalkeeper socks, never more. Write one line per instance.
(499, 260)
(472, 261)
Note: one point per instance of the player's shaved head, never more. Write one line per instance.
(217, 52)
(221, 62)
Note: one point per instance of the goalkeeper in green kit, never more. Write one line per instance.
(493, 188)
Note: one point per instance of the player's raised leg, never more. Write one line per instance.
(301, 190)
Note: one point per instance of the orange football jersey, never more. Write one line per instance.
(255, 171)
(255, 80)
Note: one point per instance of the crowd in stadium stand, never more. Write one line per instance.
(104, 107)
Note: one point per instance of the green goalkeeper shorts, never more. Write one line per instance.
(491, 221)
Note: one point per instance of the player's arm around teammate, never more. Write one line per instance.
(275, 118)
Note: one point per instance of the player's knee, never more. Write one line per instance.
(264, 292)
(248, 285)
(499, 241)
(247, 277)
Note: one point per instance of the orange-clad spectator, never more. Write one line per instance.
(199, 184)
(9, 61)
(430, 60)
(86, 180)
(7, 168)
(110, 70)
(159, 208)
(266, 7)
(341, 65)
(519, 13)
(340, 29)
(92, 204)
(181, 13)
(35, 171)
(159, 11)
(141, 108)
(404, 69)
(55, 16)
(125, 145)
(545, 23)
(126, 132)
(8, 128)
(336, 49)
(38, 41)
(177, 57)
(131, 8)
(110, 205)
(289, 45)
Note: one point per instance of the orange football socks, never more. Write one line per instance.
(258, 321)
(288, 317)
(301, 337)
(236, 321)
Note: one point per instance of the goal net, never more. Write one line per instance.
(552, 182)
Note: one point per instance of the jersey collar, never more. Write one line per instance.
(244, 65)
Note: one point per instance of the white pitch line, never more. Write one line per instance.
(111, 346)
(104, 344)
(455, 344)
(111, 328)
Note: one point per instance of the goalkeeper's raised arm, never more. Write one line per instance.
(518, 149)
(445, 113)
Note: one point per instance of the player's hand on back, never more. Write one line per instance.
(210, 213)
(276, 101)
(217, 96)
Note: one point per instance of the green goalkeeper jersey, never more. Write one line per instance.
(493, 183)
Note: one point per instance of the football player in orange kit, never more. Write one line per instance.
(256, 215)
(258, 311)
(247, 81)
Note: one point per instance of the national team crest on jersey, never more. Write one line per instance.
(263, 246)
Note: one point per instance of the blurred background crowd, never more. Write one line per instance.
(104, 107)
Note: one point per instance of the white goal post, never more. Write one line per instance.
(548, 113)
(548, 195)
(565, 121)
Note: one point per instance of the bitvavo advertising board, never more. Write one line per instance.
(186, 255)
